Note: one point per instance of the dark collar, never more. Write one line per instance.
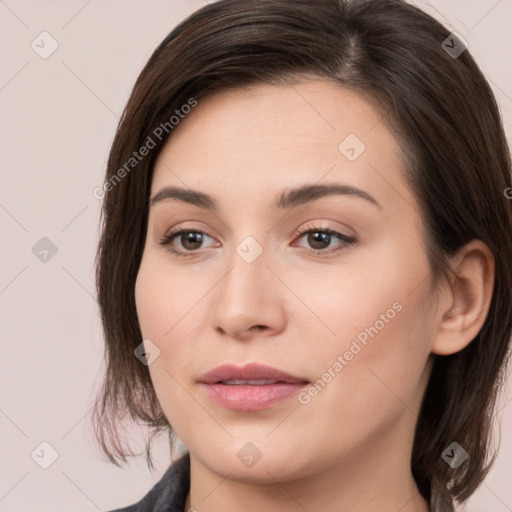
(169, 494)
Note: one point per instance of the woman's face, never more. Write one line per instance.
(355, 320)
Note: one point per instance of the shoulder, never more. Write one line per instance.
(169, 493)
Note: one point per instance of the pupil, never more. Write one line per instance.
(320, 238)
(190, 236)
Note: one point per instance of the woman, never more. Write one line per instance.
(304, 272)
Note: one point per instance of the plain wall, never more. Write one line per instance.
(58, 118)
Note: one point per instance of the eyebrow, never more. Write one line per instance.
(285, 200)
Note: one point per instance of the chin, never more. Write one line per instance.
(248, 465)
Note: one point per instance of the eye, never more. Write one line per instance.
(191, 240)
(319, 238)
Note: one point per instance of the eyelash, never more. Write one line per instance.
(167, 239)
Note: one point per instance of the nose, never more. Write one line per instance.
(250, 299)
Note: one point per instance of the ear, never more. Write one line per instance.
(465, 300)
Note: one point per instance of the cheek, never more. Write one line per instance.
(372, 375)
(384, 384)
(163, 298)
(150, 301)
(171, 314)
(159, 310)
(383, 329)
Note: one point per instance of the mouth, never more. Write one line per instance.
(251, 387)
(252, 382)
(251, 374)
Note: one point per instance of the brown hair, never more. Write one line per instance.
(442, 111)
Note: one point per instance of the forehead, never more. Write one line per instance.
(267, 137)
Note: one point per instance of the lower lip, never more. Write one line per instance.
(251, 398)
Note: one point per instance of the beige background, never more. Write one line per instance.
(59, 116)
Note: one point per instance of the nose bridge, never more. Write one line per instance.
(247, 295)
(247, 261)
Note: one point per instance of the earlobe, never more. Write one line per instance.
(468, 296)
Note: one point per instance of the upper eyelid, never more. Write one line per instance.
(299, 231)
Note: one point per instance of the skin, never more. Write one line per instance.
(349, 447)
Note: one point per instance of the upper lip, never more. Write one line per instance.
(251, 371)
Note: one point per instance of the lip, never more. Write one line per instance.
(250, 397)
(251, 371)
